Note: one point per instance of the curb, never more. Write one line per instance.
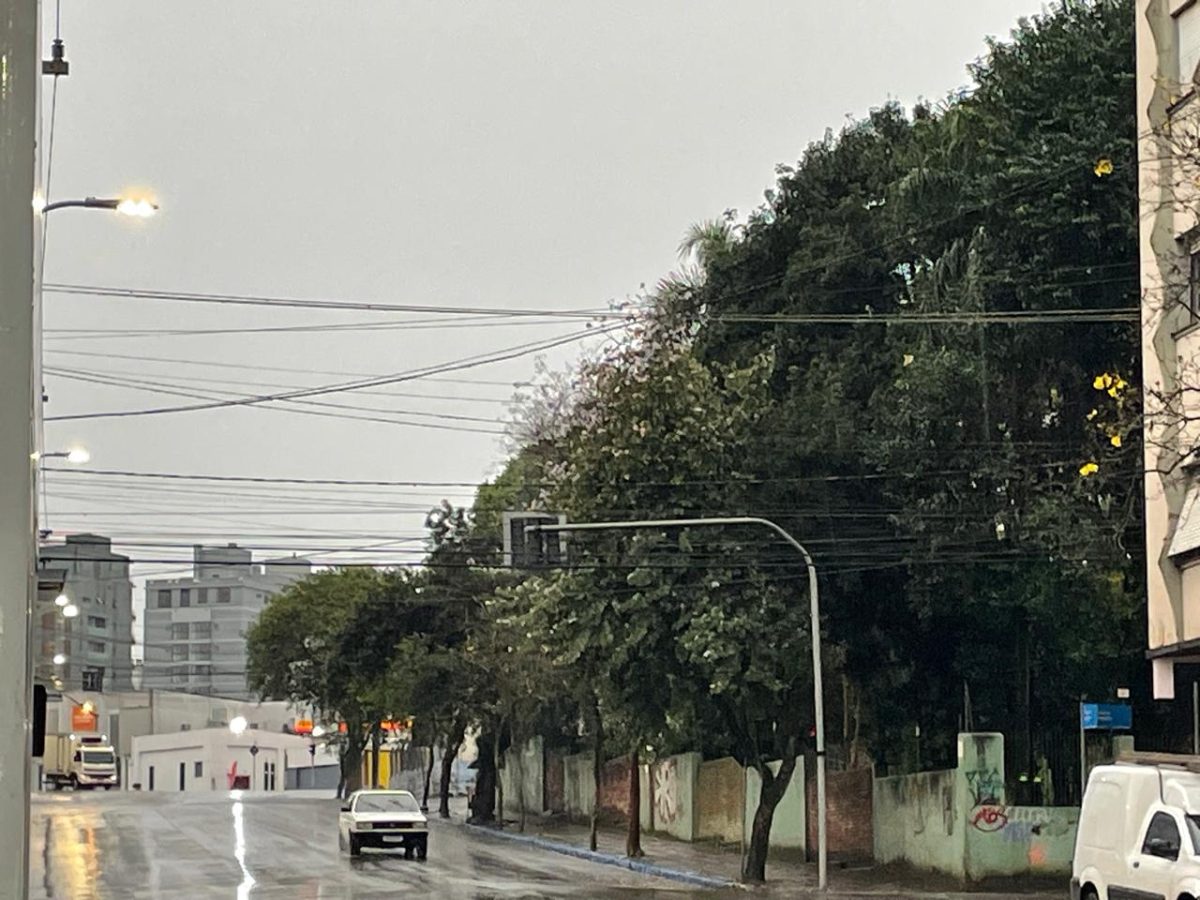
(608, 859)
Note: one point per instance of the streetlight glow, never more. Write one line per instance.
(59, 659)
(78, 456)
(237, 724)
(70, 610)
(141, 209)
(62, 600)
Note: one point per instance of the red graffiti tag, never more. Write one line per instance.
(989, 818)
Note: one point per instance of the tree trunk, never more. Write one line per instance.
(483, 801)
(597, 756)
(351, 758)
(633, 837)
(448, 758)
(754, 866)
(428, 776)
(499, 778)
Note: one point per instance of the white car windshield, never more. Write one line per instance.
(386, 803)
(98, 757)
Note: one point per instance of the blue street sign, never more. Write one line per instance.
(1105, 716)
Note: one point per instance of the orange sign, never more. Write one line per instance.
(82, 719)
(303, 726)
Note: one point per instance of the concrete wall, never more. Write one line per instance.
(523, 777)
(788, 827)
(918, 821)
(578, 792)
(720, 810)
(669, 796)
(850, 825)
(1020, 840)
(1003, 839)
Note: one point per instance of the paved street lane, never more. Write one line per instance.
(140, 845)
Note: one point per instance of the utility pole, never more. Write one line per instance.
(20, 74)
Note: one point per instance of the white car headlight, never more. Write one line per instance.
(363, 826)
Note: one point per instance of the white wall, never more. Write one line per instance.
(219, 753)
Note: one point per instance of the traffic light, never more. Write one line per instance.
(532, 549)
(39, 721)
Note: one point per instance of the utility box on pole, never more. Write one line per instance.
(532, 549)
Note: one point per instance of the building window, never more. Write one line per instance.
(201, 630)
(179, 631)
(202, 596)
(185, 597)
(200, 671)
(96, 647)
(202, 651)
(179, 651)
(198, 769)
(164, 599)
(179, 677)
(97, 621)
(224, 595)
(93, 679)
(1187, 42)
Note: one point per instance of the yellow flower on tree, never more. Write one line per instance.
(1088, 469)
(1115, 440)
(1104, 166)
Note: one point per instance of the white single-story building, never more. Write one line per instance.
(215, 759)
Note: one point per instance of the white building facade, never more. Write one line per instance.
(195, 634)
(1168, 108)
(215, 759)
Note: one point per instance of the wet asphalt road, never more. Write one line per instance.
(175, 846)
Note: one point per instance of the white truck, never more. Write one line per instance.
(83, 762)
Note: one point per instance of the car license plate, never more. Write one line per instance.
(393, 838)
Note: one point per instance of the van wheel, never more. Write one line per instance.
(1089, 893)
(355, 847)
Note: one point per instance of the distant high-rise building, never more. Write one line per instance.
(195, 635)
(96, 646)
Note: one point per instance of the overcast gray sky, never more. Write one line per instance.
(542, 155)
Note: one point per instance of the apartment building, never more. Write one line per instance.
(95, 646)
(1168, 59)
(195, 634)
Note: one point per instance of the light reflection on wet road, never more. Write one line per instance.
(173, 846)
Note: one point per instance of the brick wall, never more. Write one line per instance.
(850, 827)
(614, 790)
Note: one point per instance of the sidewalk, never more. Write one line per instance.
(787, 875)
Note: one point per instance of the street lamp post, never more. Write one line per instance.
(126, 206)
(815, 612)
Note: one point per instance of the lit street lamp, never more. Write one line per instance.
(76, 456)
(62, 600)
(70, 611)
(127, 206)
(59, 659)
(237, 725)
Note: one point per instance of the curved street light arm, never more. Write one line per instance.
(814, 611)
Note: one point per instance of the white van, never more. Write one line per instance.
(1139, 831)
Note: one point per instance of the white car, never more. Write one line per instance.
(383, 819)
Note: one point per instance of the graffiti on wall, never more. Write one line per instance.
(1029, 826)
(986, 786)
(666, 792)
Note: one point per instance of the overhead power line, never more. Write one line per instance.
(412, 375)
(298, 303)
